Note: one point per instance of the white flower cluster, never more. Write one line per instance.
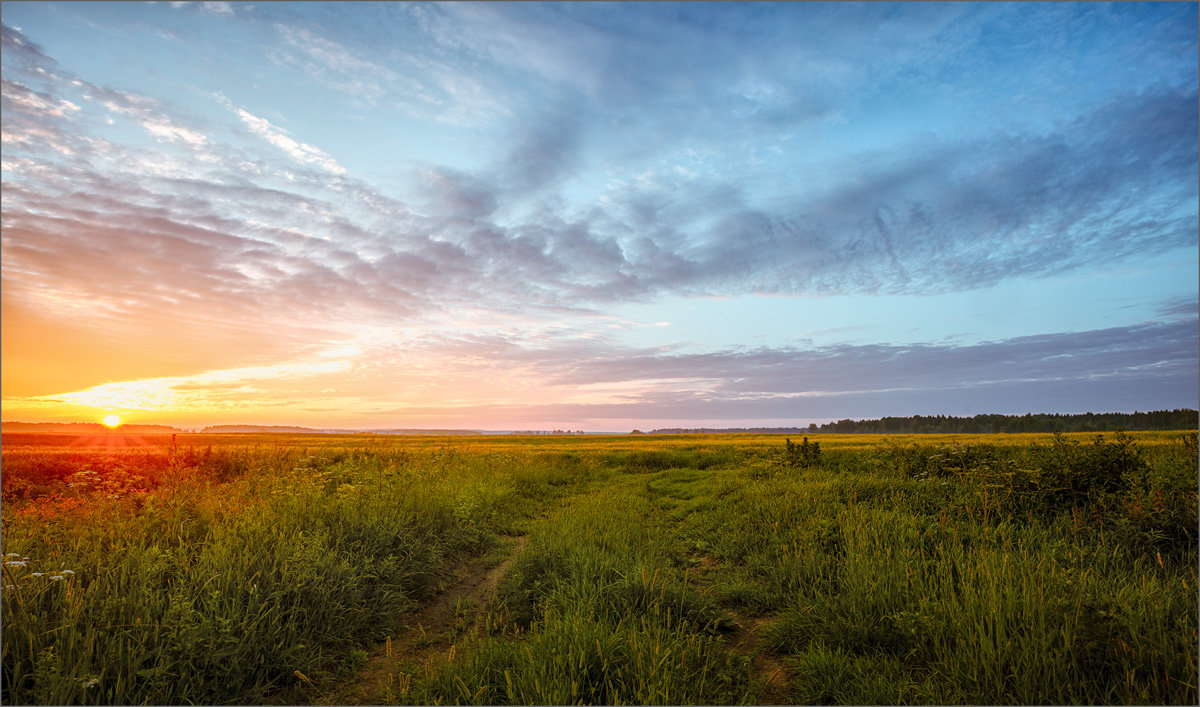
(14, 559)
(11, 560)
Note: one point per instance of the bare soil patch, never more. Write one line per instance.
(767, 671)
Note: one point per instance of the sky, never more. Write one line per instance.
(596, 216)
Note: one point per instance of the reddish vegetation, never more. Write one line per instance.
(55, 473)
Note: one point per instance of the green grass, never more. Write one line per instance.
(887, 570)
(594, 611)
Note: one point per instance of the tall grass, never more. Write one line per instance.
(947, 569)
(901, 585)
(595, 612)
(219, 590)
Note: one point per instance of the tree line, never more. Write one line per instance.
(1184, 419)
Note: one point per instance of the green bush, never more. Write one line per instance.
(803, 454)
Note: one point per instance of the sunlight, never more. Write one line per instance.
(112, 421)
(220, 389)
(130, 395)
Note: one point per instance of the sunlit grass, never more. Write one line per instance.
(886, 569)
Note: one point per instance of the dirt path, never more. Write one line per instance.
(428, 632)
(767, 671)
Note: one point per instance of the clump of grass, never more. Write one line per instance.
(573, 658)
(803, 454)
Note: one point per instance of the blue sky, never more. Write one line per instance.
(597, 215)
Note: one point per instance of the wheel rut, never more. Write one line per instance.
(769, 677)
(766, 671)
(428, 632)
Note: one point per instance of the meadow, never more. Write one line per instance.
(674, 569)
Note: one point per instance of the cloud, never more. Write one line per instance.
(929, 216)
(1186, 307)
(936, 217)
(206, 7)
(29, 55)
(36, 102)
(47, 118)
(301, 152)
(670, 151)
(853, 368)
(1124, 368)
(950, 216)
(457, 194)
(218, 387)
(335, 66)
(544, 152)
(403, 71)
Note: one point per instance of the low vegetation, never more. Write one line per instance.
(1048, 569)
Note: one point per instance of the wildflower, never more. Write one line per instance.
(11, 554)
(36, 574)
(10, 586)
(92, 683)
(55, 577)
(15, 563)
(67, 572)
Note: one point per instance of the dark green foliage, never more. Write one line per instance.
(979, 424)
(804, 454)
(1074, 474)
(1104, 484)
(646, 461)
(990, 424)
(951, 460)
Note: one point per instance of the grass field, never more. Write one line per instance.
(683, 569)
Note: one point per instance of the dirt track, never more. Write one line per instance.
(428, 632)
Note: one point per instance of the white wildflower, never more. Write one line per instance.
(15, 563)
(55, 577)
(36, 574)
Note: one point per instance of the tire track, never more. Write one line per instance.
(427, 633)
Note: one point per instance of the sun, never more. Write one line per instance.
(112, 421)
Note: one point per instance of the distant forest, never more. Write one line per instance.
(984, 424)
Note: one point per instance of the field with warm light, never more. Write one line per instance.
(682, 569)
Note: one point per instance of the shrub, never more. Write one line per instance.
(803, 454)
(1076, 475)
